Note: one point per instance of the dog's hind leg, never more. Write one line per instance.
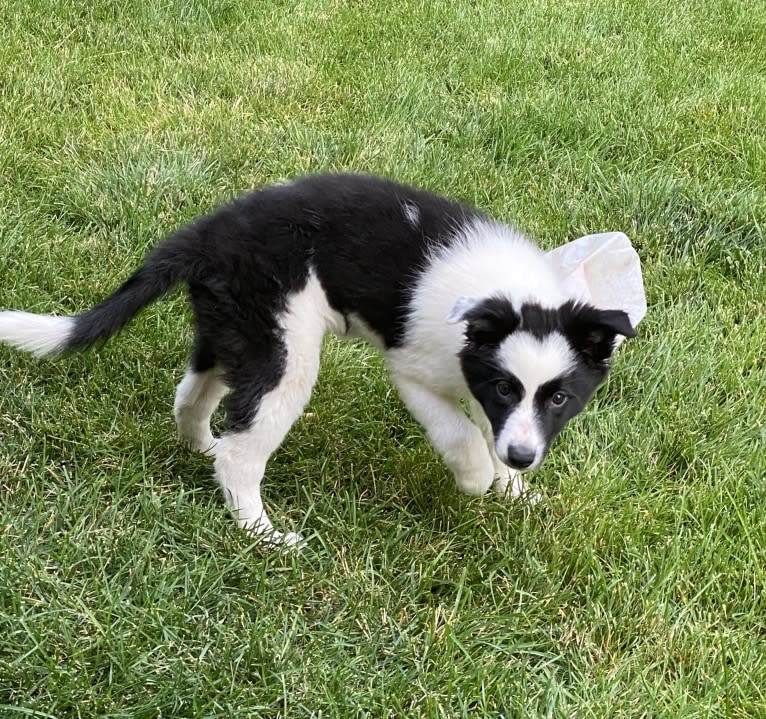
(455, 437)
(197, 396)
(269, 393)
(243, 451)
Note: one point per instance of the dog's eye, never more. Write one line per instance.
(558, 399)
(504, 388)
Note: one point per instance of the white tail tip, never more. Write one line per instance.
(39, 334)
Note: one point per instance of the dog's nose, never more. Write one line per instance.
(520, 457)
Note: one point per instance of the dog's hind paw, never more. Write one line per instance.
(273, 538)
(290, 539)
(209, 447)
(202, 442)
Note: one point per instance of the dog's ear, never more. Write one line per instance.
(592, 332)
(462, 307)
(488, 321)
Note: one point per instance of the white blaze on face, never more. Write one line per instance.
(533, 362)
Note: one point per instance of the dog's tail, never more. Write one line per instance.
(44, 335)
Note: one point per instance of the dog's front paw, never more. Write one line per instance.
(511, 485)
(475, 482)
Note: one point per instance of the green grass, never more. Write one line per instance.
(635, 589)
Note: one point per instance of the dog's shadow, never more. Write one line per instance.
(356, 455)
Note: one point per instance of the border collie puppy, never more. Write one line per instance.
(463, 307)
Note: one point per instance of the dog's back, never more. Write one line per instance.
(366, 238)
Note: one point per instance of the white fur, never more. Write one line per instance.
(482, 259)
(533, 362)
(453, 435)
(240, 458)
(508, 482)
(486, 259)
(536, 361)
(197, 396)
(39, 334)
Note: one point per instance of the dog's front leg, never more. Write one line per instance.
(508, 482)
(455, 437)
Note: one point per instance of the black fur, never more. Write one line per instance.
(242, 261)
(395, 265)
(490, 322)
(579, 385)
(590, 332)
(398, 266)
(249, 255)
(483, 374)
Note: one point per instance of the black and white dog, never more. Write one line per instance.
(464, 308)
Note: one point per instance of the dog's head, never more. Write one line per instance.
(534, 368)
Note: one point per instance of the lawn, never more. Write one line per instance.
(634, 589)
